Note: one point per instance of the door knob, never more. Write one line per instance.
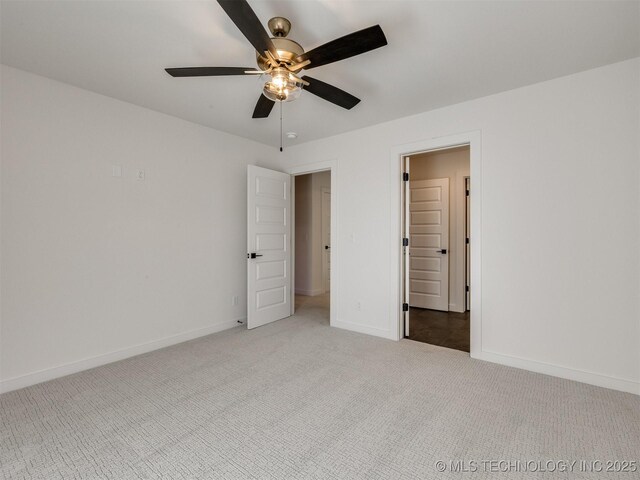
(443, 251)
(253, 255)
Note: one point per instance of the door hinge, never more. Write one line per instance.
(405, 242)
(467, 288)
(405, 307)
(466, 192)
(405, 176)
(467, 240)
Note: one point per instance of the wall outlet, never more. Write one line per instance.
(359, 306)
(234, 300)
(116, 171)
(140, 175)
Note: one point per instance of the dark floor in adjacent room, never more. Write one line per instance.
(445, 329)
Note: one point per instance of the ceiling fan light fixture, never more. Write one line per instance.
(281, 95)
(282, 86)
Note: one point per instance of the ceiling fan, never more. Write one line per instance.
(281, 59)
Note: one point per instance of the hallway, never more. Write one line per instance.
(316, 306)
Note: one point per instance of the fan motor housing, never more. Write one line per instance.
(287, 49)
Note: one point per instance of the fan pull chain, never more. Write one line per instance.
(280, 125)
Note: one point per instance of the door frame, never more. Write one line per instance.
(325, 273)
(396, 268)
(467, 246)
(328, 165)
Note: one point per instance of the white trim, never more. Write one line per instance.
(99, 360)
(562, 372)
(332, 166)
(312, 168)
(454, 308)
(309, 293)
(473, 139)
(467, 249)
(367, 329)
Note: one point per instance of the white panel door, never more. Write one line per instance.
(326, 240)
(429, 244)
(268, 242)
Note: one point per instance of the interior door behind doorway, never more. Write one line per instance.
(429, 244)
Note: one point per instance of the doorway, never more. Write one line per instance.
(312, 244)
(437, 247)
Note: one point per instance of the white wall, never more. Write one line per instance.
(309, 244)
(452, 164)
(96, 268)
(560, 222)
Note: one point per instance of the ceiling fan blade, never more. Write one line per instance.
(263, 107)
(208, 71)
(249, 24)
(330, 93)
(344, 47)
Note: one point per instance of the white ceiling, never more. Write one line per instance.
(439, 53)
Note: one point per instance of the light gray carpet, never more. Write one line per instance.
(296, 400)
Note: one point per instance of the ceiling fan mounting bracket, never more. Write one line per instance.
(279, 27)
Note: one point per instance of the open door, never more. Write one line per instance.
(268, 243)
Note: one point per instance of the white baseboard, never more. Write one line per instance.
(356, 327)
(67, 369)
(454, 308)
(562, 372)
(309, 293)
